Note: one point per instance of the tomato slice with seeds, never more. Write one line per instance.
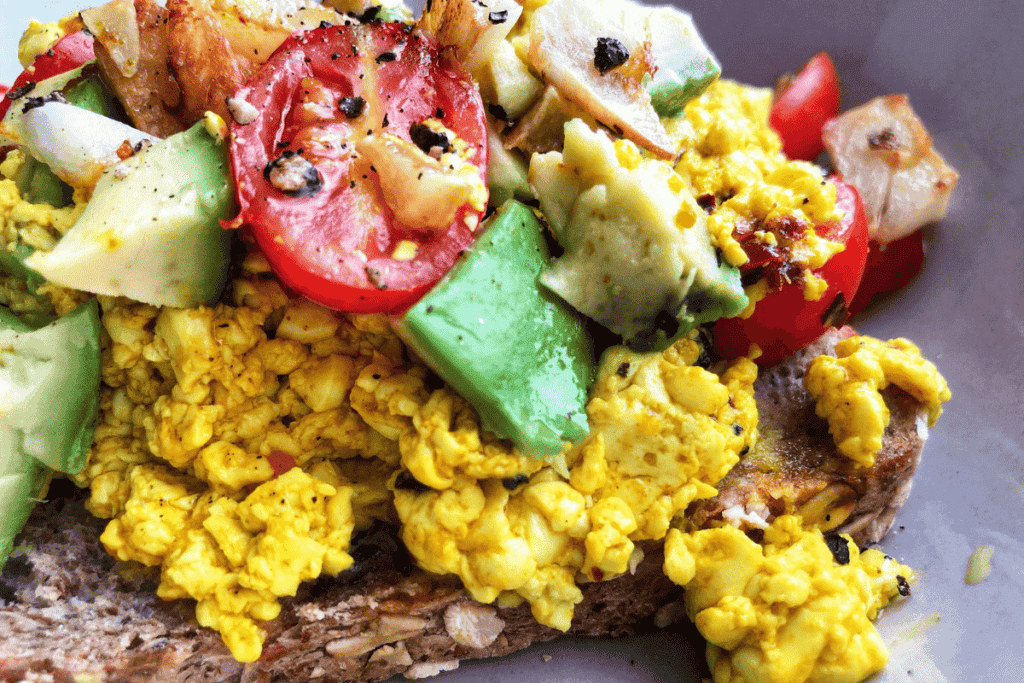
(313, 202)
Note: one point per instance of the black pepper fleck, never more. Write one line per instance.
(840, 549)
(609, 53)
(426, 138)
(351, 107)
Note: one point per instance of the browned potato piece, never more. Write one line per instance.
(151, 95)
(206, 68)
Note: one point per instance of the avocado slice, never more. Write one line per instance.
(49, 378)
(152, 230)
(686, 66)
(520, 356)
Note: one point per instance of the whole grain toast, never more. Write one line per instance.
(795, 466)
(69, 610)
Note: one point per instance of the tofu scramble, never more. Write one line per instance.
(240, 446)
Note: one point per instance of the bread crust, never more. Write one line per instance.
(76, 611)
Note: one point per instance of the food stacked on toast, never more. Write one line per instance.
(386, 344)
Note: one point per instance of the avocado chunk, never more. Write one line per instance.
(686, 66)
(638, 256)
(152, 230)
(22, 483)
(506, 171)
(49, 378)
(516, 353)
(83, 88)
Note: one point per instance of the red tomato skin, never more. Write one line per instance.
(784, 322)
(889, 267)
(804, 107)
(70, 52)
(328, 247)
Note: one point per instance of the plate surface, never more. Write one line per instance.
(963, 66)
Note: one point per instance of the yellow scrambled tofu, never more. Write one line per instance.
(847, 390)
(730, 153)
(786, 609)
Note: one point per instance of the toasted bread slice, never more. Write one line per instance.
(796, 467)
(72, 610)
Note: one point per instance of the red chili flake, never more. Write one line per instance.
(281, 462)
(773, 259)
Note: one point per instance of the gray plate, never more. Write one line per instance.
(963, 66)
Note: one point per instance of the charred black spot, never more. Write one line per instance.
(351, 107)
(623, 370)
(498, 17)
(839, 548)
(385, 57)
(609, 54)
(426, 138)
(902, 585)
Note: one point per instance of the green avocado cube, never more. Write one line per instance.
(686, 66)
(517, 353)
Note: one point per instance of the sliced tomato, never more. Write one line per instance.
(70, 52)
(803, 107)
(784, 321)
(335, 239)
(890, 267)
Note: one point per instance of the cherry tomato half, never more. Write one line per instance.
(784, 322)
(890, 267)
(334, 239)
(70, 52)
(803, 108)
